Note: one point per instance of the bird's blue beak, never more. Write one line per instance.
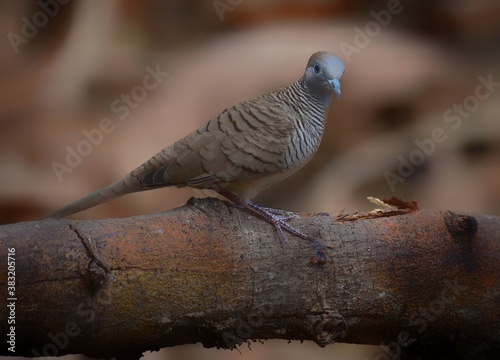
(335, 84)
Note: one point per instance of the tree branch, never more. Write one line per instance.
(418, 281)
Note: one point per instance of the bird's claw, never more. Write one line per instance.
(281, 222)
(278, 217)
(283, 214)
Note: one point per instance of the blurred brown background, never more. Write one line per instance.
(411, 67)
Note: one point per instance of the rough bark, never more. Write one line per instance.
(420, 281)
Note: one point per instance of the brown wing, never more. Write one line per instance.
(245, 142)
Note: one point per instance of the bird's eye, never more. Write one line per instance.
(317, 68)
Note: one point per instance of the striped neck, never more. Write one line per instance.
(319, 93)
(320, 104)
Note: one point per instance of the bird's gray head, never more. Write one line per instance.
(322, 75)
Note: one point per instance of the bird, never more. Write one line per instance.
(245, 149)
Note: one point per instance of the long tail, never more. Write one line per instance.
(127, 185)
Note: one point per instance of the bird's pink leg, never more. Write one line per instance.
(280, 222)
(269, 214)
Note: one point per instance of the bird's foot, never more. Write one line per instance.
(283, 214)
(279, 218)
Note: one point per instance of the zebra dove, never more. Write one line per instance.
(247, 148)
